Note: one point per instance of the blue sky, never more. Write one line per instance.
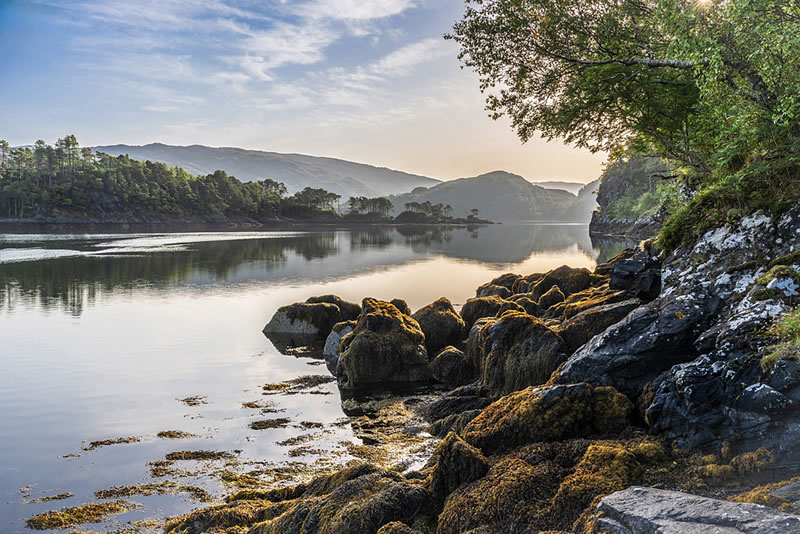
(365, 80)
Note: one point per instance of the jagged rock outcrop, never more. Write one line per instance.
(386, 348)
(514, 351)
(441, 325)
(650, 340)
(639, 510)
(639, 274)
(313, 318)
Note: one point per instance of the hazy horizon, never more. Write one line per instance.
(372, 83)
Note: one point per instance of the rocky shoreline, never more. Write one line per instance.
(629, 399)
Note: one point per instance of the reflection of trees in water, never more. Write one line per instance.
(608, 247)
(375, 238)
(421, 238)
(74, 282)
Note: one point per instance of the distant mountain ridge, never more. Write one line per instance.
(296, 171)
(503, 196)
(572, 187)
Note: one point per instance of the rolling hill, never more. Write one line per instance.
(295, 170)
(502, 196)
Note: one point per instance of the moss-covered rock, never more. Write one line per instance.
(441, 325)
(396, 527)
(492, 290)
(569, 280)
(452, 368)
(386, 348)
(453, 464)
(548, 413)
(313, 318)
(480, 307)
(551, 297)
(401, 305)
(514, 352)
(587, 324)
(528, 305)
(592, 298)
(525, 283)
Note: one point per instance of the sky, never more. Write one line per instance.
(371, 81)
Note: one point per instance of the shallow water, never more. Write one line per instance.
(101, 335)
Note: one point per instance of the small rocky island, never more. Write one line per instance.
(645, 396)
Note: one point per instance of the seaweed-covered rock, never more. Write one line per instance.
(480, 307)
(401, 305)
(352, 501)
(639, 510)
(524, 283)
(550, 298)
(569, 280)
(587, 324)
(331, 350)
(506, 280)
(548, 413)
(396, 527)
(313, 318)
(441, 325)
(453, 464)
(528, 305)
(451, 368)
(455, 422)
(492, 290)
(591, 298)
(385, 348)
(514, 352)
(650, 340)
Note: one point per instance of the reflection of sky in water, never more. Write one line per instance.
(101, 347)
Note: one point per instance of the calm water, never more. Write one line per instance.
(101, 335)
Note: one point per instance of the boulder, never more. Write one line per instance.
(396, 527)
(525, 283)
(528, 305)
(453, 464)
(455, 422)
(587, 324)
(548, 413)
(451, 368)
(441, 325)
(490, 289)
(514, 352)
(568, 279)
(638, 273)
(386, 348)
(604, 269)
(479, 307)
(650, 340)
(506, 280)
(591, 298)
(331, 350)
(401, 305)
(639, 510)
(551, 297)
(313, 318)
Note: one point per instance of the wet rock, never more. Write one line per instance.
(453, 404)
(604, 269)
(639, 273)
(514, 352)
(314, 318)
(480, 307)
(441, 325)
(639, 510)
(584, 326)
(548, 413)
(650, 340)
(453, 464)
(401, 305)
(386, 348)
(453, 423)
(551, 297)
(568, 279)
(492, 290)
(331, 351)
(451, 368)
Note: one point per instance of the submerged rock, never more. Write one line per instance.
(514, 352)
(313, 318)
(548, 413)
(639, 510)
(441, 325)
(386, 348)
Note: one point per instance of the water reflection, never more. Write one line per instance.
(95, 265)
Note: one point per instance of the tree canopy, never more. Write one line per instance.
(705, 82)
